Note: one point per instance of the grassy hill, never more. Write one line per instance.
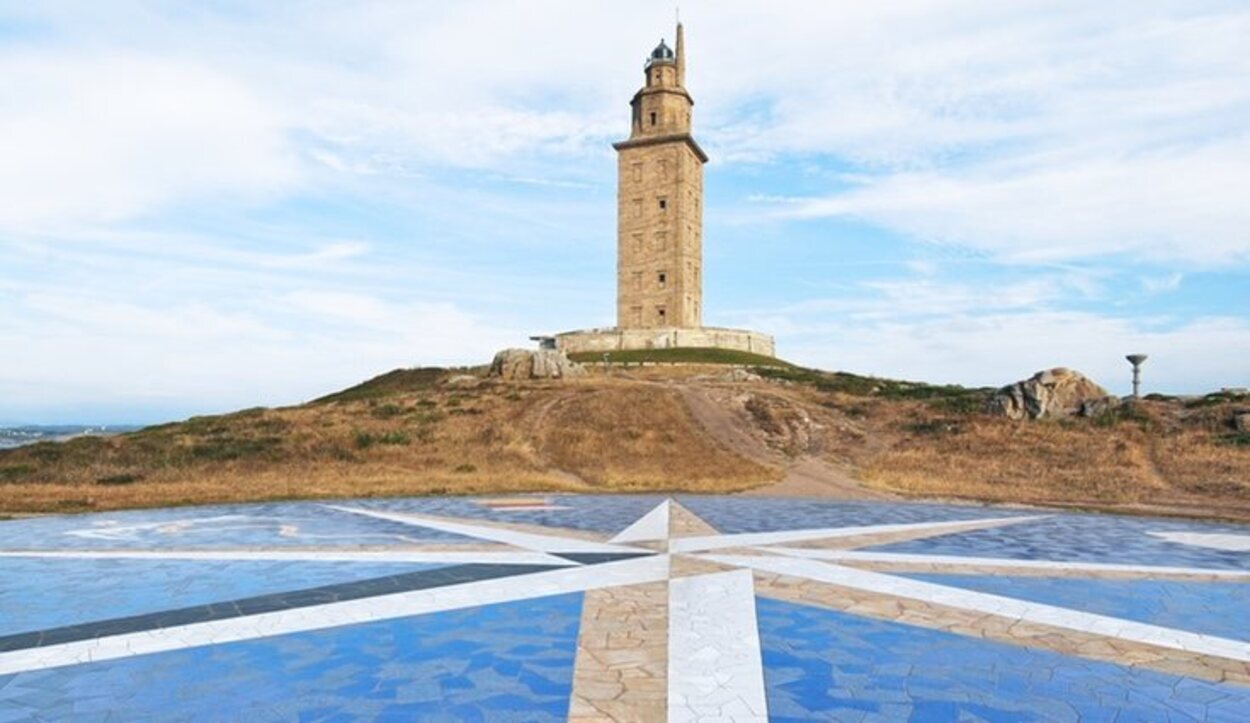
(680, 356)
(695, 428)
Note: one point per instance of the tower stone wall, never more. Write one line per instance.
(659, 227)
(660, 203)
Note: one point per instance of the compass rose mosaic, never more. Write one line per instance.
(622, 609)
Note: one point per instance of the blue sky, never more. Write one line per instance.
(217, 205)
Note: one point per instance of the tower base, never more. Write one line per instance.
(699, 337)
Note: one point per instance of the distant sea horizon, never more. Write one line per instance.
(18, 435)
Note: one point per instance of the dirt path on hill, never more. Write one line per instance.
(805, 476)
(536, 418)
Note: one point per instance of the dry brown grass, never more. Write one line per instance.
(603, 434)
(1018, 461)
(411, 434)
(1156, 456)
(639, 437)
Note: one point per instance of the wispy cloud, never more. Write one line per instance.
(293, 196)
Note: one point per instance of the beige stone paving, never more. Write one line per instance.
(1000, 629)
(983, 569)
(621, 669)
(686, 566)
(684, 523)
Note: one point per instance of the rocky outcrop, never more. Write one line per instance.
(518, 364)
(1241, 420)
(1052, 393)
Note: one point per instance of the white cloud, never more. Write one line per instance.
(1034, 130)
(1201, 355)
(1179, 205)
(1017, 132)
(98, 138)
(71, 351)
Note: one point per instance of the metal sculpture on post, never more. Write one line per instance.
(1136, 360)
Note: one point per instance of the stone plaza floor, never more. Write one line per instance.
(637, 608)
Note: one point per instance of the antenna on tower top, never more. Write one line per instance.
(681, 52)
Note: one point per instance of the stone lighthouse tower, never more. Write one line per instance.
(660, 202)
(659, 227)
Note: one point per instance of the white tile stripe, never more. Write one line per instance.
(651, 526)
(384, 607)
(1003, 563)
(995, 605)
(368, 556)
(525, 540)
(1212, 540)
(751, 539)
(715, 671)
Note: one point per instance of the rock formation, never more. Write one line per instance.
(1052, 393)
(516, 364)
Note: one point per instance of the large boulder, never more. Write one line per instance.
(517, 364)
(1052, 393)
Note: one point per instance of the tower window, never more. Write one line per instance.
(653, 119)
(661, 313)
(663, 204)
(662, 279)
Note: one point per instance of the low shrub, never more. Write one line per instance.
(386, 411)
(15, 472)
(118, 479)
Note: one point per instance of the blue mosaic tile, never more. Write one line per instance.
(88, 590)
(606, 513)
(505, 662)
(295, 524)
(825, 665)
(762, 514)
(1221, 608)
(1086, 538)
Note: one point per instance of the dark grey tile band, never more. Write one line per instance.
(596, 558)
(373, 587)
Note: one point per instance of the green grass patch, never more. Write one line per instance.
(224, 449)
(386, 411)
(395, 438)
(393, 382)
(365, 440)
(1235, 439)
(948, 396)
(1127, 412)
(425, 417)
(934, 427)
(45, 451)
(118, 479)
(1215, 398)
(680, 356)
(16, 472)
